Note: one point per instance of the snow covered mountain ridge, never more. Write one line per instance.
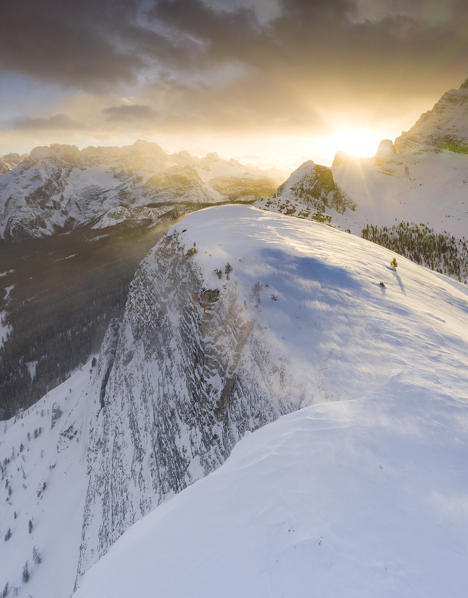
(445, 127)
(235, 318)
(59, 187)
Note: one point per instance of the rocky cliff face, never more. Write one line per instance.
(445, 127)
(9, 161)
(310, 192)
(185, 376)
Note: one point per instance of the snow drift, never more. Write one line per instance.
(235, 318)
(361, 493)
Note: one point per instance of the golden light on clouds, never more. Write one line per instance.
(276, 81)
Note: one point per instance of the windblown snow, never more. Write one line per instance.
(346, 498)
(361, 493)
(237, 318)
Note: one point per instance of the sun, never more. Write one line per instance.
(361, 143)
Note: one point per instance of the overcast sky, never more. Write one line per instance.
(243, 77)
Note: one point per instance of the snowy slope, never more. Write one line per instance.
(342, 499)
(364, 491)
(237, 317)
(431, 188)
(43, 476)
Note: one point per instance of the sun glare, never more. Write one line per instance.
(361, 143)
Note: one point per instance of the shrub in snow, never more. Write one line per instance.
(228, 270)
(37, 556)
(56, 414)
(192, 251)
(26, 574)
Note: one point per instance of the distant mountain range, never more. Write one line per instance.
(60, 188)
(73, 227)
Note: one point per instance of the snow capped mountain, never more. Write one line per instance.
(310, 192)
(420, 182)
(235, 318)
(445, 127)
(60, 187)
(81, 221)
(9, 161)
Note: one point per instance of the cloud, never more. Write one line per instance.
(318, 41)
(49, 123)
(252, 64)
(129, 112)
(90, 45)
(70, 43)
(311, 56)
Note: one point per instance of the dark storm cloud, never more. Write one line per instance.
(317, 52)
(320, 41)
(178, 54)
(52, 123)
(84, 44)
(129, 112)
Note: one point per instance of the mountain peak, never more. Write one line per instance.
(385, 152)
(66, 153)
(445, 127)
(309, 192)
(142, 146)
(9, 161)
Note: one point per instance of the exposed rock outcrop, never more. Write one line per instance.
(187, 375)
(310, 192)
(445, 127)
